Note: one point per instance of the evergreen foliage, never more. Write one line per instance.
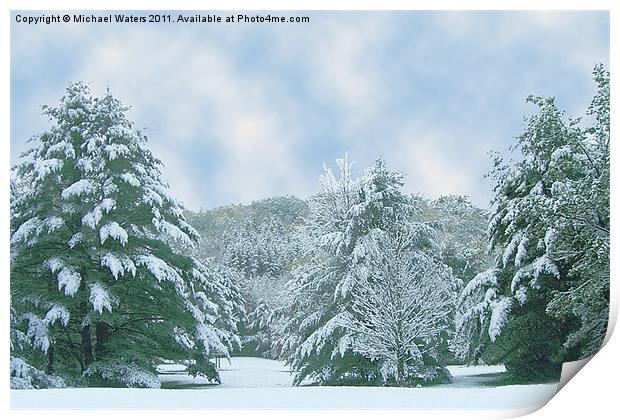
(548, 291)
(342, 240)
(100, 282)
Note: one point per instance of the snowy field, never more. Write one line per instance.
(240, 372)
(249, 382)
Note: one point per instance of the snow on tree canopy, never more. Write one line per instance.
(161, 270)
(25, 376)
(118, 264)
(128, 375)
(99, 298)
(25, 230)
(98, 222)
(113, 230)
(173, 232)
(116, 150)
(341, 240)
(499, 316)
(57, 313)
(131, 179)
(485, 279)
(44, 167)
(75, 239)
(37, 332)
(92, 218)
(67, 276)
(533, 271)
(551, 213)
(78, 188)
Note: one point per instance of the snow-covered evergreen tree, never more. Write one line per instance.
(580, 235)
(100, 281)
(264, 295)
(347, 218)
(549, 233)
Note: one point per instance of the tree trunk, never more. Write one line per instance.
(400, 367)
(87, 346)
(50, 361)
(102, 332)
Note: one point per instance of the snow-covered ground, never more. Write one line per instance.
(239, 372)
(255, 372)
(472, 376)
(249, 382)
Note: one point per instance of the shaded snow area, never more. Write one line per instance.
(472, 376)
(239, 372)
(254, 372)
(249, 382)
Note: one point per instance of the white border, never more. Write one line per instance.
(591, 394)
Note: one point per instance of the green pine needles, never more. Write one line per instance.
(103, 284)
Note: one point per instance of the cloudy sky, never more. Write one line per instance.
(238, 112)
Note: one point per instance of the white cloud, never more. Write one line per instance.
(201, 101)
(434, 166)
(565, 34)
(179, 177)
(344, 59)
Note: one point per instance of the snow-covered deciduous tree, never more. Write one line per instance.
(100, 280)
(549, 233)
(400, 312)
(312, 337)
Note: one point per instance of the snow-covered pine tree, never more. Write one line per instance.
(260, 248)
(255, 242)
(99, 280)
(504, 308)
(222, 225)
(546, 299)
(345, 218)
(580, 234)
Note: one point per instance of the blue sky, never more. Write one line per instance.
(238, 112)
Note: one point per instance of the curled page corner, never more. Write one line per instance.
(570, 369)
